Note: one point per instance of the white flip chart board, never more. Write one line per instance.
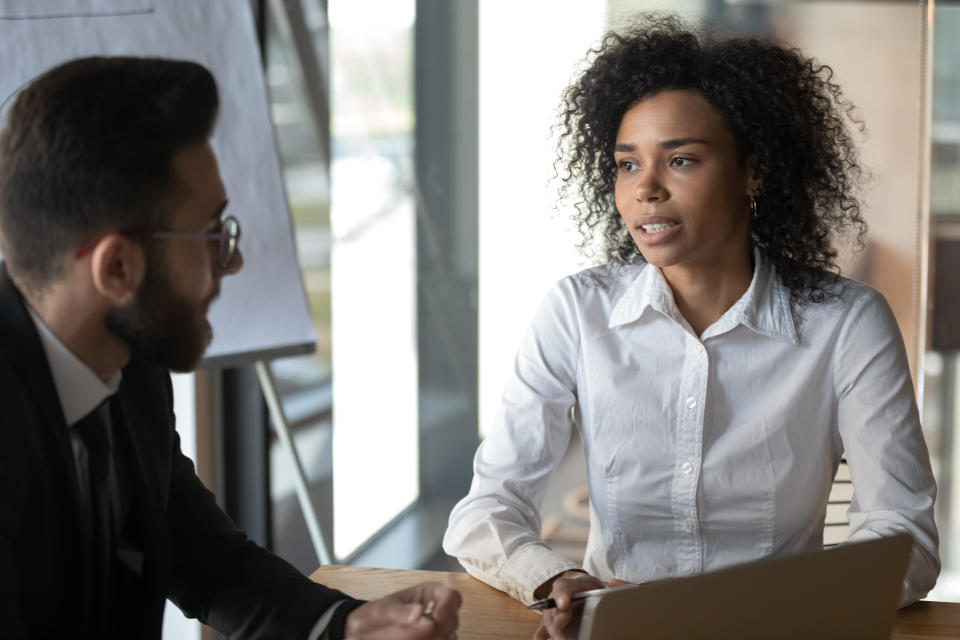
(262, 311)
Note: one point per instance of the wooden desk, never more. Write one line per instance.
(488, 613)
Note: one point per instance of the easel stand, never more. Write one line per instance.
(269, 387)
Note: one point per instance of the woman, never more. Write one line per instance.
(719, 365)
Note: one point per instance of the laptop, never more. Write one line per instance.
(849, 591)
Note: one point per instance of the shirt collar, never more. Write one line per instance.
(79, 389)
(649, 290)
(764, 308)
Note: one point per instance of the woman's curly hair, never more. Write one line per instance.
(784, 110)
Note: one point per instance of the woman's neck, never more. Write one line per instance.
(704, 293)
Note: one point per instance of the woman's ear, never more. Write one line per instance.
(117, 267)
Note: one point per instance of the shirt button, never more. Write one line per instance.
(687, 468)
(699, 348)
(691, 403)
(689, 570)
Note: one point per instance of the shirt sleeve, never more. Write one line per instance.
(495, 530)
(894, 488)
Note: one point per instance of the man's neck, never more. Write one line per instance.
(70, 315)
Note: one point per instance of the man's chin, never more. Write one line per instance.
(207, 333)
(207, 337)
(181, 354)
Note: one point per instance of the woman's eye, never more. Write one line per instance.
(681, 162)
(626, 165)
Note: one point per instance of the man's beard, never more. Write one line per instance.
(159, 325)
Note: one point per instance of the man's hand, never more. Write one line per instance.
(561, 588)
(400, 616)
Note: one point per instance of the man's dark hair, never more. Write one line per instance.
(88, 149)
(784, 110)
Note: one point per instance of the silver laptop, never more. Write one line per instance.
(850, 591)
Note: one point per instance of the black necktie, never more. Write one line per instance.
(93, 430)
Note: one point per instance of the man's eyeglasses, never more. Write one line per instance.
(228, 236)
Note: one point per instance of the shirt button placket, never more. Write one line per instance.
(690, 452)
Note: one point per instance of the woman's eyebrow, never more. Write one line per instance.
(672, 143)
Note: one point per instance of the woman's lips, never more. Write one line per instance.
(655, 230)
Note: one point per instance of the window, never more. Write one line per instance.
(347, 154)
(373, 267)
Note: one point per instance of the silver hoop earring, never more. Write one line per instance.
(753, 206)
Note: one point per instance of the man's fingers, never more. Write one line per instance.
(444, 626)
(391, 613)
(446, 601)
(403, 615)
(445, 607)
(616, 582)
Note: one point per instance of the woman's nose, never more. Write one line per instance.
(649, 187)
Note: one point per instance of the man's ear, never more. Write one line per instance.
(117, 267)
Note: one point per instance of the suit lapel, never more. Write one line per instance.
(23, 350)
(146, 507)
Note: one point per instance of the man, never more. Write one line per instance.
(114, 240)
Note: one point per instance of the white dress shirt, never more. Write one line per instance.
(701, 452)
(79, 390)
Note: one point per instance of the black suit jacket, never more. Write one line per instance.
(192, 552)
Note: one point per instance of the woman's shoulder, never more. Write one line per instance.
(589, 296)
(844, 301)
(606, 279)
(839, 294)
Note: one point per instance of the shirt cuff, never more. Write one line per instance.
(324, 621)
(531, 566)
(331, 621)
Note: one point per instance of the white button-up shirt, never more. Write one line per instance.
(79, 390)
(705, 451)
